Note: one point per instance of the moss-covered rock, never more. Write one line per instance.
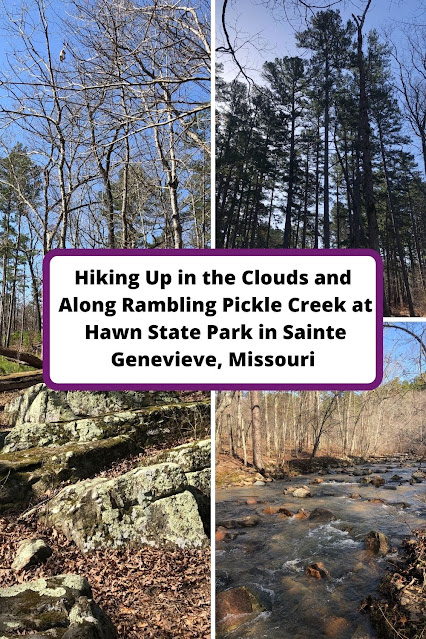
(40, 405)
(159, 505)
(147, 425)
(27, 474)
(59, 606)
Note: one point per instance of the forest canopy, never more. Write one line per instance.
(104, 136)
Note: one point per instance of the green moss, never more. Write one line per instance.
(52, 619)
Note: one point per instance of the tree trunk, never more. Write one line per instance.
(256, 435)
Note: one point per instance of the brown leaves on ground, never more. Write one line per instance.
(148, 593)
(400, 613)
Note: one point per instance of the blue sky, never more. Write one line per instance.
(402, 353)
(264, 34)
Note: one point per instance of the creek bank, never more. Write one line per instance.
(400, 609)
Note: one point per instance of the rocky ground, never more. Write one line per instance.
(116, 487)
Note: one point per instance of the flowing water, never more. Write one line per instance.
(271, 557)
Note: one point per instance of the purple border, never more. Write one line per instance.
(211, 253)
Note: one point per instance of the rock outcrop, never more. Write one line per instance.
(41, 405)
(82, 437)
(42, 417)
(154, 504)
(60, 607)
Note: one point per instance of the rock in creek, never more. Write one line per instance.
(60, 607)
(377, 481)
(244, 522)
(30, 552)
(302, 493)
(322, 515)
(235, 607)
(377, 542)
(153, 505)
(417, 477)
(317, 570)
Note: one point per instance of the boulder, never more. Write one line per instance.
(377, 542)
(31, 472)
(396, 477)
(149, 505)
(60, 606)
(290, 490)
(322, 515)
(302, 493)
(317, 570)
(234, 607)
(30, 552)
(27, 474)
(417, 477)
(317, 480)
(270, 510)
(284, 511)
(364, 480)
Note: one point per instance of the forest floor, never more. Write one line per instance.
(148, 592)
(230, 471)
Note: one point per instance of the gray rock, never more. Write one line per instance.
(59, 606)
(144, 425)
(302, 492)
(40, 405)
(30, 552)
(149, 505)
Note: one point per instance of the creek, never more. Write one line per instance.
(270, 558)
